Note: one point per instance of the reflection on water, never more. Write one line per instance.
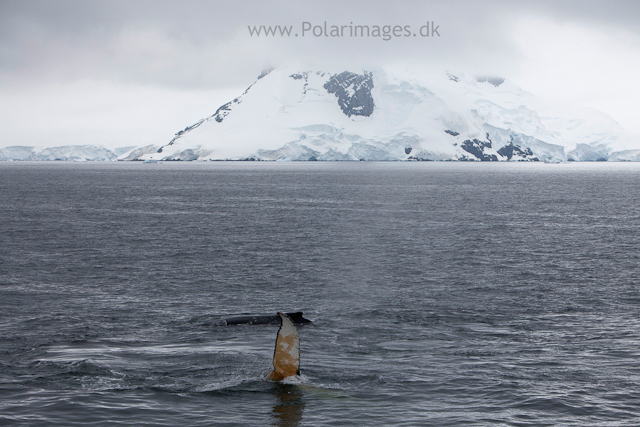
(290, 406)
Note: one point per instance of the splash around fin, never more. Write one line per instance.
(286, 355)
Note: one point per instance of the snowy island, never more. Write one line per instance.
(290, 114)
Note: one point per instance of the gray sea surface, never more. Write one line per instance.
(442, 294)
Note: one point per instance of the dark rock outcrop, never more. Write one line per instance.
(476, 148)
(302, 76)
(510, 150)
(496, 81)
(353, 92)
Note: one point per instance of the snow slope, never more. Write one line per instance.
(292, 113)
(295, 114)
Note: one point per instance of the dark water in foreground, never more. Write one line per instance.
(443, 294)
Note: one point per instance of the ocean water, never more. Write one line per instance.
(442, 294)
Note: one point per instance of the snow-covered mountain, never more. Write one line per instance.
(292, 113)
(295, 114)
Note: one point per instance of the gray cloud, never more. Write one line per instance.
(206, 44)
(181, 48)
(613, 13)
(203, 43)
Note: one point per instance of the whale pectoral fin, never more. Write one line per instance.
(286, 356)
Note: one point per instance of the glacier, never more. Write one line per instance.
(73, 153)
(292, 113)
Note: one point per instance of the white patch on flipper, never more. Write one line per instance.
(286, 356)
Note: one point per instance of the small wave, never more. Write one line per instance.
(295, 380)
(224, 385)
(74, 367)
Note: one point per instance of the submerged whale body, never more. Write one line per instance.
(286, 355)
(295, 317)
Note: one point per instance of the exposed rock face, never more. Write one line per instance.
(302, 76)
(220, 113)
(496, 81)
(353, 92)
(476, 148)
(451, 132)
(509, 151)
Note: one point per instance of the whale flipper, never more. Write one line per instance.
(286, 356)
(296, 317)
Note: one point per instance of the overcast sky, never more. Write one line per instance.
(132, 72)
